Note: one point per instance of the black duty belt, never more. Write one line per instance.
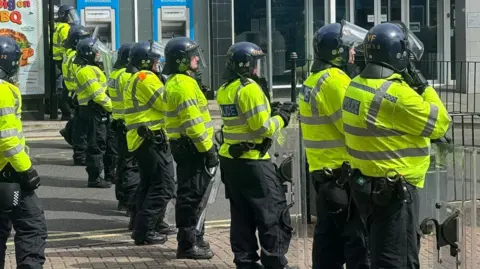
(237, 150)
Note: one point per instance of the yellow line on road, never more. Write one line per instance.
(105, 235)
(46, 138)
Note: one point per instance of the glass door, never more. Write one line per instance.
(368, 13)
(364, 13)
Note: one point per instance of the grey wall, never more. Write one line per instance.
(202, 35)
(127, 33)
(221, 38)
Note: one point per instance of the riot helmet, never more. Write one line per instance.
(332, 44)
(68, 14)
(75, 34)
(10, 60)
(122, 55)
(392, 45)
(91, 51)
(145, 55)
(245, 59)
(181, 55)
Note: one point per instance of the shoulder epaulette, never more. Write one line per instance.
(245, 81)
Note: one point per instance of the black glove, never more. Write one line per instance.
(29, 180)
(284, 115)
(275, 106)
(211, 158)
(415, 78)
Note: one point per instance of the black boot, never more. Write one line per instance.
(100, 183)
(152, 238)
(194, 253)
(201, 243)
(165, 228)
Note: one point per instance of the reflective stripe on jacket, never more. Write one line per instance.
(320, 104)
(59, 36)
(69, 69)
(116, 83)
(12, 141)
(389, 126)
(246, 117)
(187, 112)
(92, 86)
(143, 105)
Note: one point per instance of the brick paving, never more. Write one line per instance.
(127, 255)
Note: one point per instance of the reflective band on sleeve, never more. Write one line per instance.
(11, 152)
(388, 155)
(431, 121)
(8, 133)
(325, 144)
(313, 94)
(254, 111)
(200, 138)
(7, 111)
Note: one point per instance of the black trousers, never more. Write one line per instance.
(156, 188)
(97, 121)
(128, 173)
(192, 182)
(338, 238)
(257, 202)
(64, 101)
(393, 229)
(79, 135)
(110, 159)
(30, 226)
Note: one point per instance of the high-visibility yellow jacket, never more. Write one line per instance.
(60, 34)
(92, 86)
(389, 126)
(69, 69)
(320, 104)
(186, 112)
(246, 117)
(143, 105)
(12, 141)
(116, 86)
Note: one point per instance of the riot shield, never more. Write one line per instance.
(287, 154)
(448, 210)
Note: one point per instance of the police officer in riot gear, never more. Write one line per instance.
(94, 108)
(339, 236)
(249, 175)
(19, 205)
(128, 175)
(190, 130)
(66, 16)
(390, 114)
(74, 133)
(147, 141)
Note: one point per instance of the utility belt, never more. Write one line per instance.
(12, 184)
(183, 148)
(119, 126)
(331, 185)
(237, 150)
(97, 108)
(383, 191)
(157, 138)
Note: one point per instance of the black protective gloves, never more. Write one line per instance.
(285, 111)
(415, 78)
(29, 180)
(211, 157)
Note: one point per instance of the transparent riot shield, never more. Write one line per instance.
(287, 154)
(448, 210)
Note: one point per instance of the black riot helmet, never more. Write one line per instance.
(122, 55)
(332, 44)
(67, 14)
(392, 45)
(181, 55)
(10, 60)
(75, 34)
(90, 51)
(145, 55)
(245, 59)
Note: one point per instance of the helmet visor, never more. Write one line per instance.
(73, 17)
(260, 69)
(352, 35)
(103, 56)
(196, 58)
(157, 48)
(415, 46)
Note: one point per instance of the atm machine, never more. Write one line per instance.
(105, 14)
(172, 18)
